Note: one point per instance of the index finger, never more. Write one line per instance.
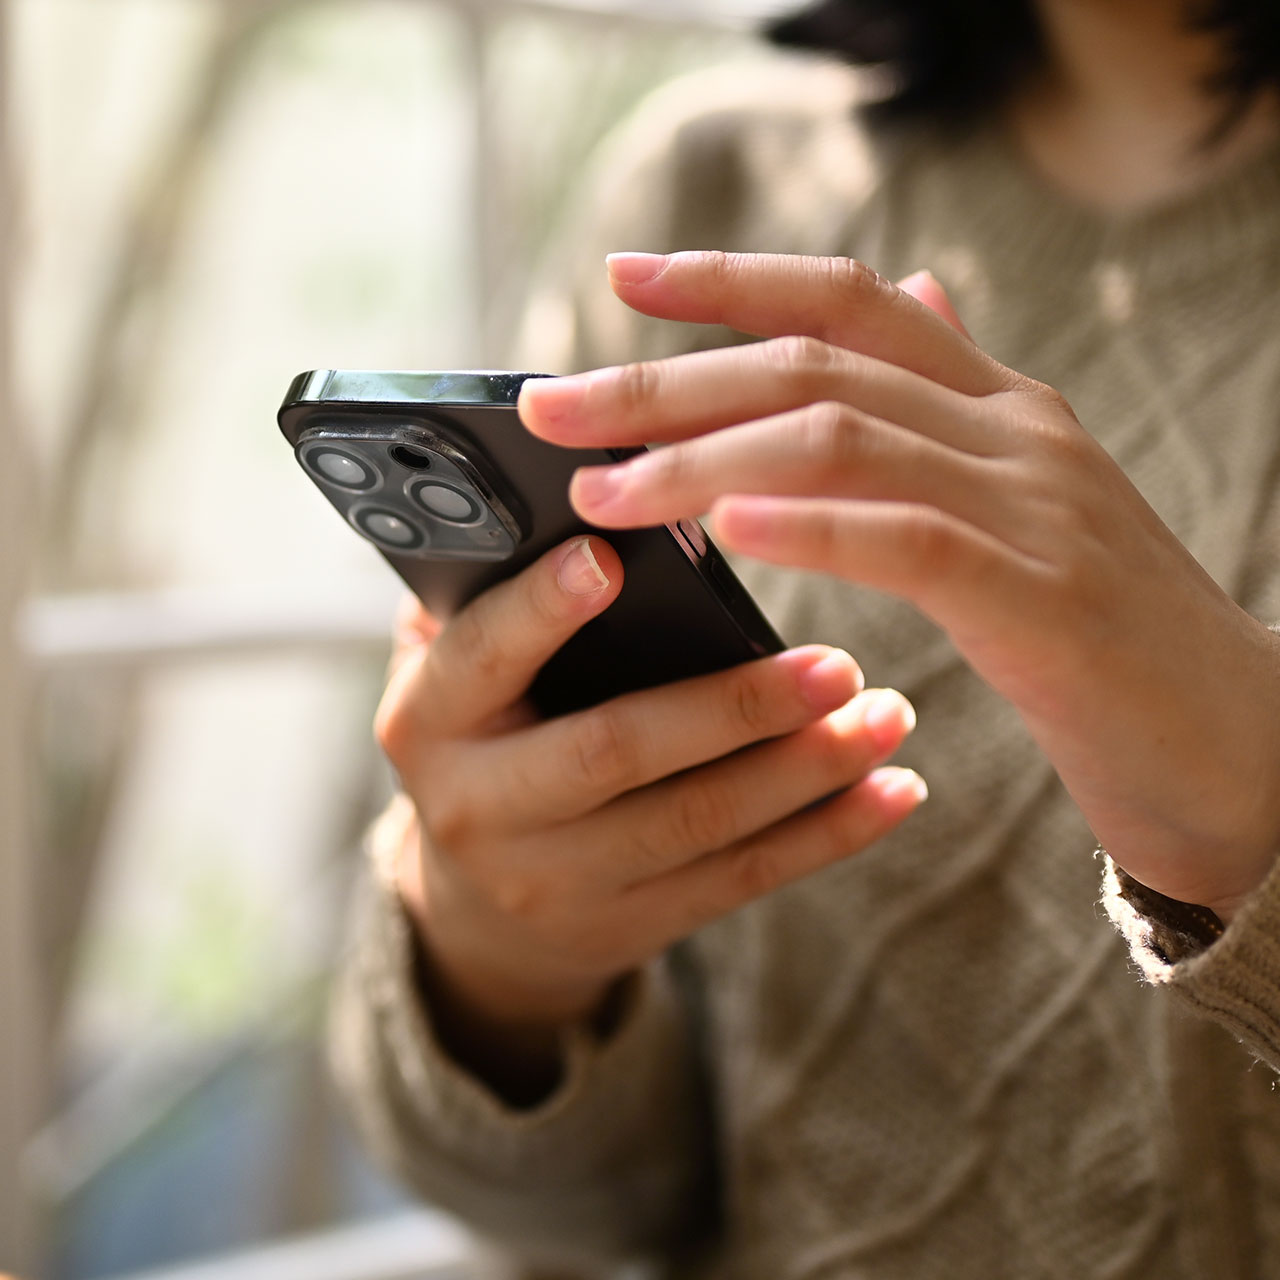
(837, 300)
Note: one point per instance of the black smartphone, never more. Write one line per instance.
(438, 472)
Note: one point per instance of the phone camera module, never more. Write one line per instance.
(447, 503)
(388, 529)
(340, 467)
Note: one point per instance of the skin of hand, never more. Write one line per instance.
(546, 858)
(871, 439)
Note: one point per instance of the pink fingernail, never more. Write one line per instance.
(580, 573)
(888, 714)
(597, 486)
(553, 398)
(635, 268)
(745, 521)
(904, 784)
(916, 277)
(830, 682)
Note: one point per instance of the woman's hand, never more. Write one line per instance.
(873, 440)
(543, 859)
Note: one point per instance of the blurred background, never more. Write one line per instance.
(201, 198)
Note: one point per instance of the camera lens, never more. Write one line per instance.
(447, 503)
(389, 529)
(342, 468)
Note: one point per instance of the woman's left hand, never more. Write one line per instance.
(871, 439)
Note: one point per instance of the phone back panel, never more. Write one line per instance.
(679, 614)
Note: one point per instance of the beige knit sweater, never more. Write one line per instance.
(937, 1059)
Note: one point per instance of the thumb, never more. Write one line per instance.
(923, 287)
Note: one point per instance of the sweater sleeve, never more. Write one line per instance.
(613, 1165)
(1230, 974)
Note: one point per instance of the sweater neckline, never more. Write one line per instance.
(1173, 242)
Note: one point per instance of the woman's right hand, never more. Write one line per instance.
(546, 858)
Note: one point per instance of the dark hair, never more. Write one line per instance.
(956, 57)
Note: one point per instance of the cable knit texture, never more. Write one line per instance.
(935, 1060)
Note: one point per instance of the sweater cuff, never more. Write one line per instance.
(453, 1089)
(460, 1112)
(1230, 974)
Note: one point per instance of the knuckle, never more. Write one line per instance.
(750, 708)
(475, 635)
(391, 728)
(525, 898)
(702, 818)
(673, 466)
(637, 385)
(754, 871)
(800, 355)
(400, 723)
(720, 266)
(933, 545)
(1051, 443)
(399, 727)
(1073, 449)
(827, 434)
(1050, 398)
(640, 849)
(603, 750)
(518, 617)
(853, 281)
(449, 826)
(823, 539)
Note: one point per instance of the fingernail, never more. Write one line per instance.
(831, 681)
(553, 398)
(916, 277)
(744, 521)
(580, 573)
(597, 486)
(904, 784)
(888, 714)
(635, 268)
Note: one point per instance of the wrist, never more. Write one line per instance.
(1263, 842)
(1216, 833)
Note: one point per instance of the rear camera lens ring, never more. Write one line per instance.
(387, 528)
(448, 503)
(342, 468)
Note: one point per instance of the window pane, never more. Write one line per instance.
(216, 196)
